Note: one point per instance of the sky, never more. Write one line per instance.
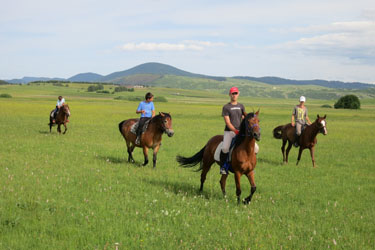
(294, 39)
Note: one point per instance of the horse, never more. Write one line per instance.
(307, 139)
(151, 138)
(243, 156)
(61, 118)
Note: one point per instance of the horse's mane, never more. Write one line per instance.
(157, 118)
(242, 134)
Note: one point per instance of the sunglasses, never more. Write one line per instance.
(234, 93)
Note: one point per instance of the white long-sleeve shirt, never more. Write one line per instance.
(60, 103)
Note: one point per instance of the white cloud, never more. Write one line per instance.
(351, 40)
(186, 45)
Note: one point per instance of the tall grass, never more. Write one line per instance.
(77, 191)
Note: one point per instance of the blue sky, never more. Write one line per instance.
(320, 39)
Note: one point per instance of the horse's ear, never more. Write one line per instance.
(317, 116)
(257, 113)
(325, 116)
(161, 113)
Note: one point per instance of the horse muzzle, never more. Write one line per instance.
(256, 136)
(169, 132)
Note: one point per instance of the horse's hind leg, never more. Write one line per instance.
(299, 155)
(65, 128)
(287, 150)
(250, 176)
(206, 167)
(285, 159)
(130, 148)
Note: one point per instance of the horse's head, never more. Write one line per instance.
(166, 123)
(322, 124)
(252, 125)
(65, 109)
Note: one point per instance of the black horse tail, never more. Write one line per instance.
(120, 125)
(277, 132)
(191, 161)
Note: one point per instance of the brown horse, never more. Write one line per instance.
(151, 138)
(307, 139)
(243, 156)
(61, 118)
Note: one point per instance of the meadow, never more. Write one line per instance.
(77, 191)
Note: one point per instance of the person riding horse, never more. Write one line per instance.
(147, 110)
(60, 102)
(299, 118)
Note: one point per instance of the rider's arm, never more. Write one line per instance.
(229, 124)
(308, 119)
(293, 120)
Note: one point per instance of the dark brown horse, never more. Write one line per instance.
(151, 138)
(243, 156)
(307, 139)
(61, 118)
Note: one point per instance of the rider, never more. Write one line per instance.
(299, 118)
(147, 110)
(233, 113)
(60, 102)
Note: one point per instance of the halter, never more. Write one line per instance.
(249, 128)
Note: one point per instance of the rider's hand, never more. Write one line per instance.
(293, 124)
(143, 111)
(236, 132)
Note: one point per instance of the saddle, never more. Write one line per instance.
(134, 127)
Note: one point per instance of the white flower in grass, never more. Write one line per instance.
(334, 242)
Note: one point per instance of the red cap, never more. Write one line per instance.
(233, 89)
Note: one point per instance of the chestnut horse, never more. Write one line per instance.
(61, 118)
(307, 139)
(151, 138)
(243, 156)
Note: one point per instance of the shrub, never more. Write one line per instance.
(160, 99)
(5, 96)
(96, 87)
(103, 91)
(129, 98)
(326, 106)
(348, 102)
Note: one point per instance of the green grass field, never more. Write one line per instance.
(77, 191)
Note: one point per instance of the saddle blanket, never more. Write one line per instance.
(218, 150)
(134, 127)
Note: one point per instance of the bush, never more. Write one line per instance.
(103, 91)
(96, 87)
(129, 98)
(5, 96)
(326, 106)
(160, 99)
(348, 102)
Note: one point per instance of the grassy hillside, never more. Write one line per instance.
(77, 191)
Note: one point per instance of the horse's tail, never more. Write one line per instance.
(191, 161)
(120, 125)
(277, 132)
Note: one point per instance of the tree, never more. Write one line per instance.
(348, 102)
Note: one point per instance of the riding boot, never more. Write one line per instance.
(296, 142)
(223, 159)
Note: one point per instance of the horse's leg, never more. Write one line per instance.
(250, 176)
(207, 162)
(299, 154)
(145, 154)
(237, 178)
(223, 181)
(130, 148)
(288, 149)
(154, 158)
(283, 151)
(59, 128)
(65, 128)
(312, 156)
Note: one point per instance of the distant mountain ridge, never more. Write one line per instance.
(329, 84)
(147, 73)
